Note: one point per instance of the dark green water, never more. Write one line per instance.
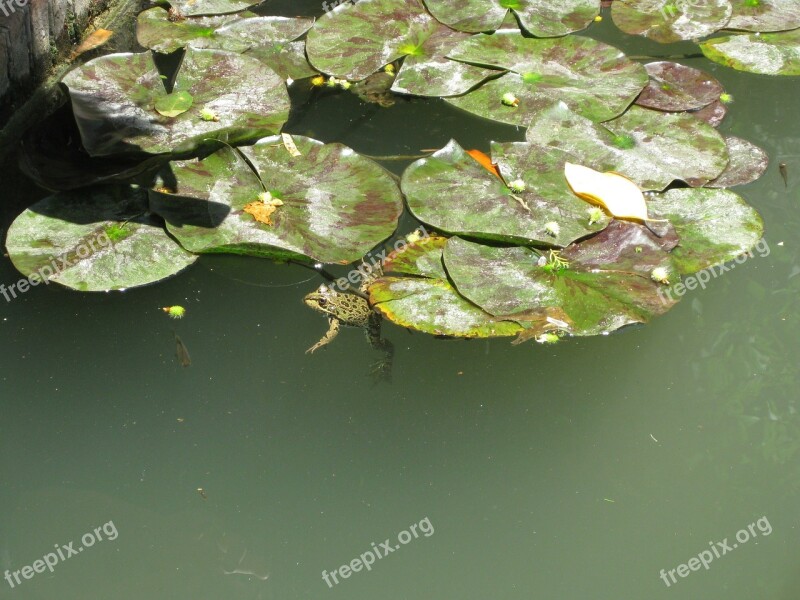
(574, 471)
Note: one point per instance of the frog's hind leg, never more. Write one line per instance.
(333, 331)
(382, 368)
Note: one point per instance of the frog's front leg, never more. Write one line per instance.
(333, 331)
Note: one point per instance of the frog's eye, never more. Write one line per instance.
(323, 302)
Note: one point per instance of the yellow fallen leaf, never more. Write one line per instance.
(260, 211)
(614, 192)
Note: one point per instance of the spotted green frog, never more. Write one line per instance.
(344, 308)
(375, 89)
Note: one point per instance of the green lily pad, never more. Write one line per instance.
(113, 98)
(354, 41)
(433, 306)
(676, 87)
(94, 241)
(174, 104)
(651, 148)
(764, 15)
(542, 18)
(594, 79)
(452, 192)
(767, 53)
(189, 8)
(714, 226)
(429, 73)
(606, 285)
(422, 258)
(335, 205)
(668, 21)
(270, 39)
(747, 163)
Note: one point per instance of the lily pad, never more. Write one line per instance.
(433, 306)
(542, 18)
(210, 7)
(422, 258)
(652, 148)
(767, 53)
(606, 285)
(334, 205)
(93, 241)
(593, 78)
(429, 73)
(747, 163)
(452, 192)
(668, 21)
(713, 114)
(676, 87)
(765, 15)
(714, 226)
(270, 39)
(354, 41)
(114, 96)
(174, 104)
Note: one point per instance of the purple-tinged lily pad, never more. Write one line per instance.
(713, 114)
(676, 87)
(453, 193)
(114, 97)
(714, 226)
(92, 241)
(596, 80)
(270, 39)
(747, 163)
(329, 204)
(354, 41)
(652, 148)
(542, 18)
(601, 284)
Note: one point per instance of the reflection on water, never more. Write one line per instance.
(578, 470)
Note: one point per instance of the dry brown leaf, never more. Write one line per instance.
(95, 40)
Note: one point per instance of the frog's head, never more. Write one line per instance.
(323, 299)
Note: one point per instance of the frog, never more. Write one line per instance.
(375, 89)
(352, 310)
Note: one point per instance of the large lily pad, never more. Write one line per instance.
(270, 39)
(94, 241)
(452, 192)
(747, 163)
(433, 306)
(767, 53)
(594, 79)
(606, 285)
(114, 100)
(650, 147)
(668, 21)
(714, 226)
(676, 87)
(542, 18)
(335, 205)
(354, 41)
(765, 15)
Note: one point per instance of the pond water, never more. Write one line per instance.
(578, 470)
